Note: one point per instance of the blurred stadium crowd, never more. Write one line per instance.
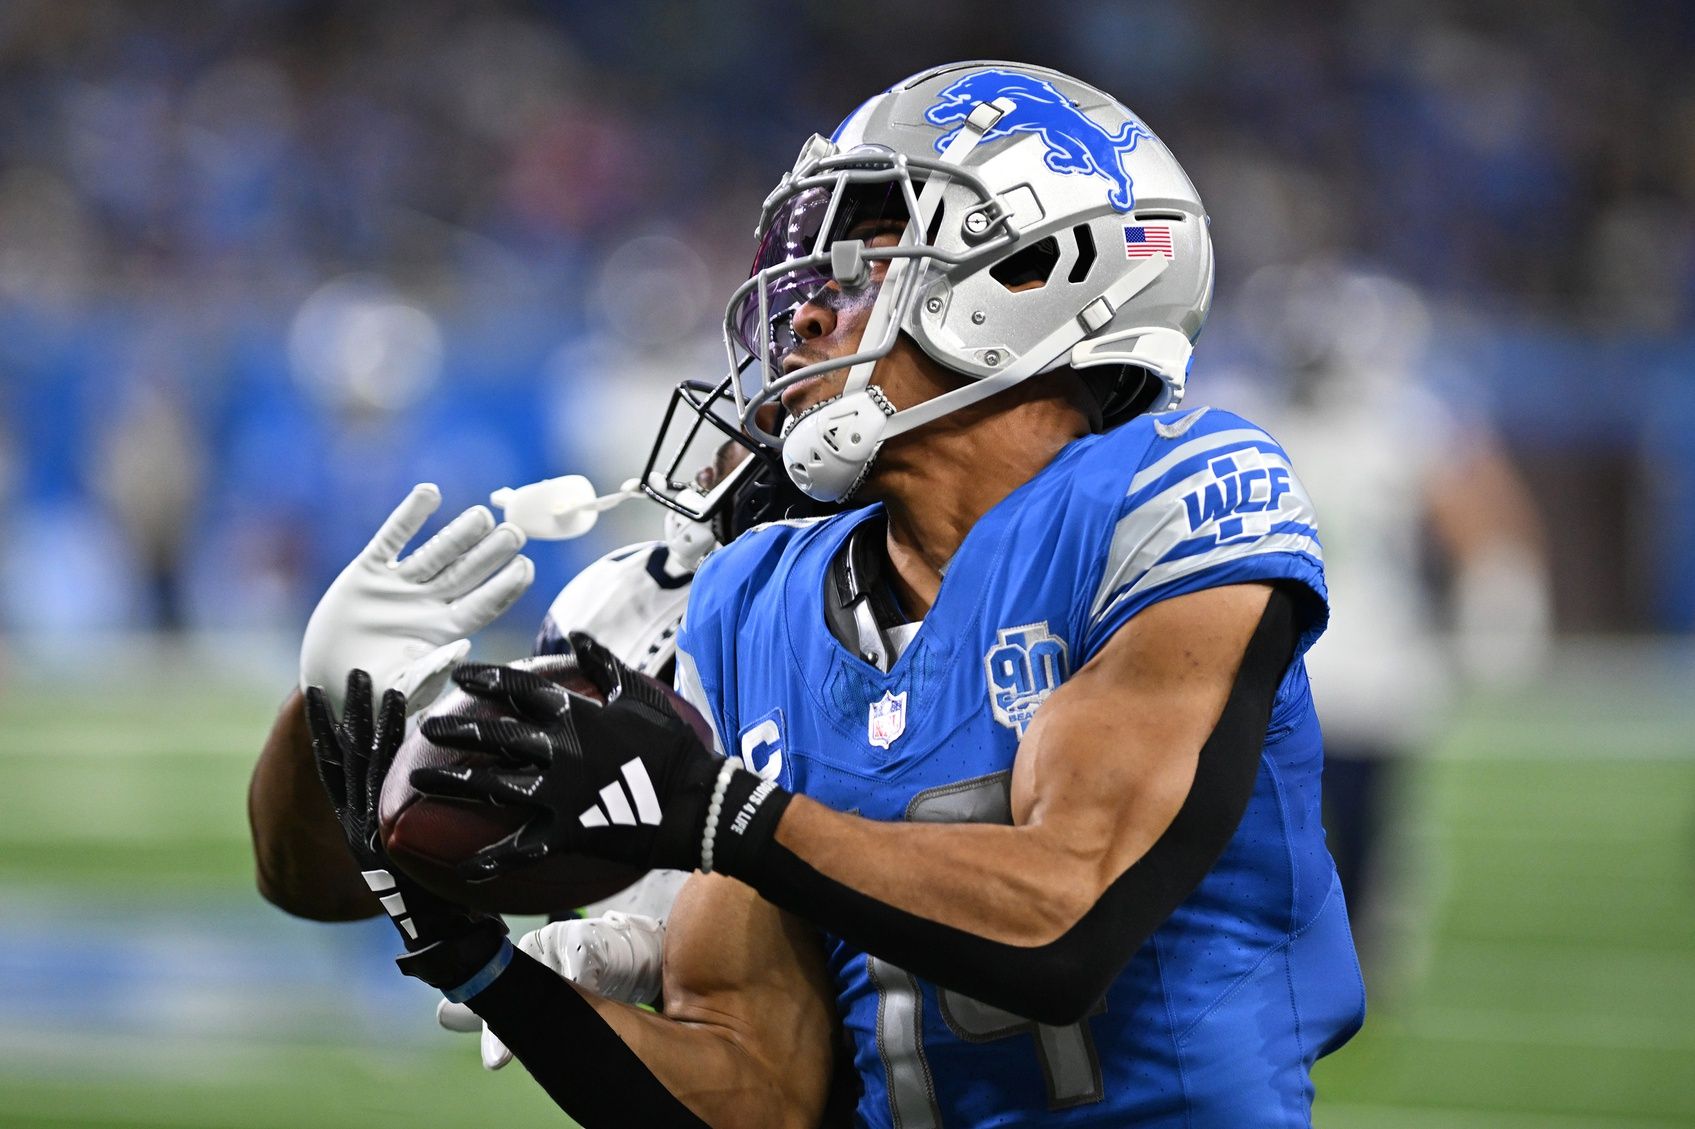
(265, 263)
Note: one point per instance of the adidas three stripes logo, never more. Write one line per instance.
(615, 800)
(382, 885)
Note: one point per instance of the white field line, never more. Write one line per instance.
(220, 1062)
(123, 740)
(1348, 1115)
(1544, 1029)
(1670, 967)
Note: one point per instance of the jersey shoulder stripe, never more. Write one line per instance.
(1214, 502)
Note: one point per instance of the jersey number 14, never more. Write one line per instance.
(1071, 1068)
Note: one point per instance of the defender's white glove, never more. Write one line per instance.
(406, 622)
(616, 956)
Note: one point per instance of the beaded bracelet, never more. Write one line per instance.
(713, 808)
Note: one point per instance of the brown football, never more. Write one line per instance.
(428, 837)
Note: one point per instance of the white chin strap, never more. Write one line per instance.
(828, 450)
(688, 540)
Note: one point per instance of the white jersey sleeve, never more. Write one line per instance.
(632, 600)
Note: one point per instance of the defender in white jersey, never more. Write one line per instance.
(401, 621)
(407, 623)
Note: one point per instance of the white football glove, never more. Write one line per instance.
(406, 622)
(617, 956)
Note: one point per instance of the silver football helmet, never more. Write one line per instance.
(1044, 226)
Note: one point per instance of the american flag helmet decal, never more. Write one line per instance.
(1147, 241)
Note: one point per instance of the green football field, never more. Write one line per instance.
(1539, 971)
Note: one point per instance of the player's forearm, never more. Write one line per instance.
(1075, 830)
(958, 905)
(1055, 981)
(609, 1064)
(301, 861)
(712, 1066)
(1016, 885)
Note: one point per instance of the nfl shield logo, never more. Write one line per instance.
(888, 719)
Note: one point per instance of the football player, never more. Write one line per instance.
(1027, 744)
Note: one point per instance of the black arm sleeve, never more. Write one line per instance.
(576, 1056)
(1059, 982)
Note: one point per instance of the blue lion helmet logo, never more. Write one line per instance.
(1075, 143)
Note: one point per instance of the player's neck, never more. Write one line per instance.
(940, 481)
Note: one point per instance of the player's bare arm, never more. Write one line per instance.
(747, 1034)
(1125, 792)
(300, 857)
(1108, 762)
(1099, 778)
(405, 621)
(1478, 503)
(1124, 799)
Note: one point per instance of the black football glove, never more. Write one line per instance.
(446, 944)
(627, 781)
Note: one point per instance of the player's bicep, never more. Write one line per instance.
(1111, 757)
(300, 854)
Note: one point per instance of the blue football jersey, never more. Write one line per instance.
(1217, 1019)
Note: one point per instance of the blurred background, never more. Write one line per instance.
(264, 264)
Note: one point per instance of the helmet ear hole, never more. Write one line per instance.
(1030, 268)
(1085, 253)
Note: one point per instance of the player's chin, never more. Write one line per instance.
(803, 396)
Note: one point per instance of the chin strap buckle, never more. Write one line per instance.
(984, 115)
